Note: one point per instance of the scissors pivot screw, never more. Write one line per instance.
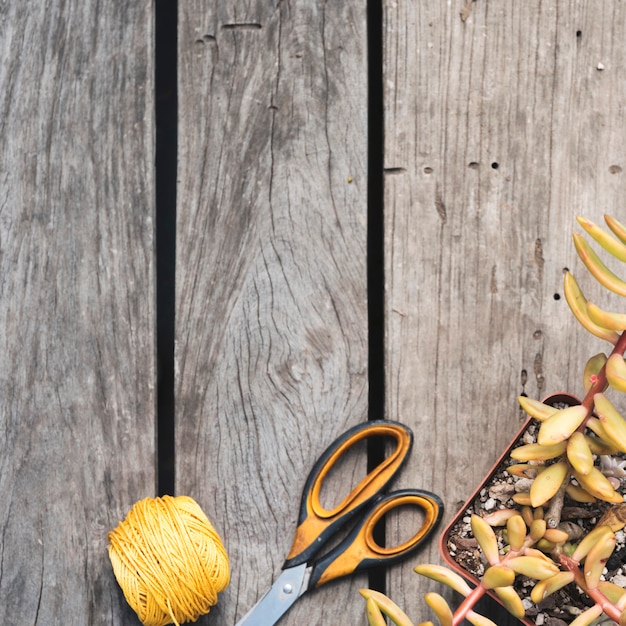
(288, 588)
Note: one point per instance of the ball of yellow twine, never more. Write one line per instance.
(168, 560)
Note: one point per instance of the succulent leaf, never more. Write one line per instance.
(548, 586)
(533, 567)
(498, 576)
(589, 540)
(536, 409)
(618, 229)
(594, 424)
(516, 532)
(612, 245)
(606, 319)
(440, 607)
(389, 608)
(616, 372)
(537, 452)
(555, 535)
(522, 498)
(500, 517)
(586, 618)
(522, 470)
(597, 268)
(444, 575)
(579, 454)
(592, 368)
(479, 620)
(598, 485)
(597, 445)
(578, 304)
(512, 602)
(612, 422)
(596, 560)
(561, 425)
(374, 614)
(611, 591)
(486, 539)
(546, 485)
(537, 529)
(578, 494)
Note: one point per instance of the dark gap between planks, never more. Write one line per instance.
(166, 150)
(166, 115)
(375, 251)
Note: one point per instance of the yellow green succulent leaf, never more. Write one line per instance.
(612, 245)
(478, 620)
(598, 485)
(374, 614)
(597, 445)
(500, 516)
(522, 498)
(619, 230)
(586, 618)
(579, 453)
(533, 567)
(537, 528)
(538, 452)
(440, 607)
(611, 591)
(444, 575)
(555, 535)
(548, 586)
(512, 602)
(613, 423)
(588, 541)
(597, 268)
(516, 532)
(606, 319)
(561, 425)
(616, 372)
(592, 368)
(387, 606)
(596, 560)
(498, 576)
(483, 533)
(578, 305)
(535, 408)
(547, 483)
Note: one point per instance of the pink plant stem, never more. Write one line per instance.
(595, 594)
(467, 605)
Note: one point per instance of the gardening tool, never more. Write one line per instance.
(304, 568)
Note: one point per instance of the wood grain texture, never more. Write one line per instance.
(76, 302)
(500, 129)
(271, 278)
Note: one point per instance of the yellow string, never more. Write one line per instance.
(168, 560)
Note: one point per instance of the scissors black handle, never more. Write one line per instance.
(360, 551)
(317, 524)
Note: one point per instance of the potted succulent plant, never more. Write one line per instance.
(548, 520)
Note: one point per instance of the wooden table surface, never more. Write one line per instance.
(500, 122)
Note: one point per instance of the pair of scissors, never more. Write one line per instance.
(303, 569)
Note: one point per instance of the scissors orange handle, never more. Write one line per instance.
(315, 523)
(359, 550)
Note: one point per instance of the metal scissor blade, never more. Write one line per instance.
(289, 586)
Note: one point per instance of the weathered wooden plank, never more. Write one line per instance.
(76, 301)
(500, 129)
(271, 295)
